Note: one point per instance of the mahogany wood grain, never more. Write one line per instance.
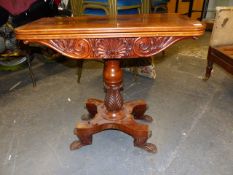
(144, 25)
(111, 39)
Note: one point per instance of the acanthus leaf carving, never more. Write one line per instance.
(145, 47)
(105, 48)
(76, 48)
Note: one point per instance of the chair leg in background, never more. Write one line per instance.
(30, 71)
(79, 70)
(208, 68)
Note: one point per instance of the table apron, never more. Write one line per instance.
(109, 48)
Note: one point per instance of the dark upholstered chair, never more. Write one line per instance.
(221, 42)
(106, 7)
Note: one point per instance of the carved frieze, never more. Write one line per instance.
(150, 46)
(111, 47)
(75, 48)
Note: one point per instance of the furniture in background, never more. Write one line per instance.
(106, 7)
(113, 8)
(191, 10)
(221, 42)
(135, 36)
(159, 6)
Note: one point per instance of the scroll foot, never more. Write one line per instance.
(76, 145)
(147, 118)
(205, 78)
(86, 117)
(141, 143)
(149, 147)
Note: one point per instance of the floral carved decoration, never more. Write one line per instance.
(111, 47)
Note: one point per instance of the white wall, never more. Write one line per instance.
(211, 8)
(222, 2)
(230, 2)
(212, 5)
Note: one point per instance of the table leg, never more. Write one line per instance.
(113, 113)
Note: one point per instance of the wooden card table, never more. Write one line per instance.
(111, 39)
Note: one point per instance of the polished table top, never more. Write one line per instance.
(103, 37)
(144, 25)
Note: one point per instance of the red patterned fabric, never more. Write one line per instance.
(16, 7)
(57, 2)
